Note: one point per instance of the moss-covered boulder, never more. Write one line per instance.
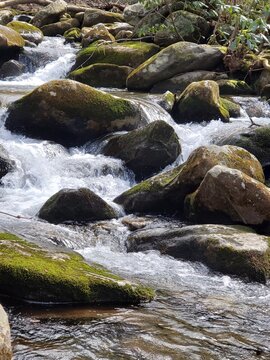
(229, 196)
(52, 275)
(234, 250)
(178, 83)
(182, 25)
(10, 40)
(130, 53)
(71, 113)
(102, 75)
(96, 32)
(199, 102)
(73, 35)
(97, 16)
(60, 27)
(5, 340)
(231, 106)
(234, 87)
(178, 58)
(27, 31)
(50, 13)
(146, 150)
(76, 205)
(166, 192)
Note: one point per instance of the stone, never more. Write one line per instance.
(10, 39)
(178, 58)
(27, 31)
(133, 13)
(5, 340)
(6, 16)
(166, 192)
(96, 16)
(73, 35)
(231, 106)
(234, 87)
(60, 27)
(234, 250)
(49, 14)
(146, 150)
(52, 274)
(116, 27)
(6, 164)
(263, 81)
(11, 68)
(102, 75)
(199, 102)
(167, 101)
(71, 113)
(96, 32)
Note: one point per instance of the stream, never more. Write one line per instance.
(196, 315)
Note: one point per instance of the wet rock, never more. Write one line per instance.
(71, 113)
(60, 27)
(5, 340)
(11, 68)
(10, 39)
(27, 31)
(166, 192)
(97, 16)
(182, 25)
(134, 13)
(6, 164)
(51, 275)
(102, 75)
(131, 53)
(167, 101)
(146, 150)
(234, 87)
(6, 16)
(50, 14)
(178, 58)
(75, 205)
(199, 102)
(231, 106)
(96, 32)
(234, 250)
(229, 196)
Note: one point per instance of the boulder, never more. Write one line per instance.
(71, 113)
(50, 14)
(73, 35)
(199, 102)
(229, 196)
(130, 53)
(234, 87)
(5, 340)
(96, 32)
(179, 82)
(49, 274)
(27, 31)
(102, 75)
(146, 150)
(167, 101)
(133, 13)
(166, 192)
(6, 16)
(6, 164)
(124, 34)
(60, 27)
(263, 81)
(11, 68)
(10, 39)
(96, 16)
(116, 27)
(234, 250)
(231, 106)
(178, 58)
(81, 205)
(182, 26)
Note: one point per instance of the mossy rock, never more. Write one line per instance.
(51, 275)
(102, 75)
(73, 35)
(27, 31)
(98, 16)
(199, 102)
(10, 39)
(60, 27)
(234, 87)
(234, 250)
(76, 205)
(130, 53)
(166, 192)
(71, 113)
(231, 106)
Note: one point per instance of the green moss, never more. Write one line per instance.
(45, 275)
(233, 108)
(22, 27)
(13, 39)
(73, 34)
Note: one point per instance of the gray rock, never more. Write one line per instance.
(96, 16)
(11, 68)
(60, 27)
(6, 16)
(133, 13)
(50, 14)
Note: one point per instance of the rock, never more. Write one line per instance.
(179, 82)
(234, 87)
(5, 340)
(166, 192)
(133, 13)
(234, 250)
(182, 26)
(116, 27)
(146, 150)
(102, 75)
(73, 35)
(167, 101)
(229, 196)
(10, 39)
(81, 205)
(79, 16)
(178, 58)
(124, 34)
(71, 113)
(232, 107)
(96, 16)
(50, 14)
(266, 92)
(263, 81)
(6, 164)
(11, 68)
(96, 32)
(199, 102)
(40, 274)
(131, 53)
(60, 27)
(27, 31)
(6, 16)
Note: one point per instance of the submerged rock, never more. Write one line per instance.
(234, 250)
(50, 13)
(146, 150)
(71, 113)
(5, 341)
(166, 192)
(27, 31)
(51, 275)
(79, 205)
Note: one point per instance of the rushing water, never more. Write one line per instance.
(196, 315)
